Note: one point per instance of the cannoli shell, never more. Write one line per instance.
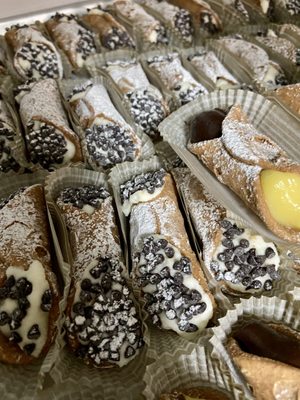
(238, 157)
(101, 22)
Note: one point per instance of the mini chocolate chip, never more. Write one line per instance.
(34, 332)
(225, 224)
(23, 303)
(154, 279)
(255, 273)
(46, 300)
(246, 281)
(106, 282)
(227, 243)
(244, 243)
(214, 266)
(3, 292)
(116, 295)
(78, 308)
(24, 287)
(163, 243)
(177, 266)
(129, 352)
(18, 315)
(86, 284)
(4, 318)
(240, 260)
(221, 257)
(10, 281)
(88, 312)
(189, 328)
(238, 251)
(29, 348)
(15, 337)
(229, 265)
(85, 297)
(159, 259)
(165, 272)
(256, 285)
(196, 296)
(170, 252)
(178, 278)
(269, 253)
(268, 285)
(96, 288)
(13, 294)
(260, 259)
(228, 253)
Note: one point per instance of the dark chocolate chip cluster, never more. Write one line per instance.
(117, 38)
(85, 195)
(19, 290)
(45, 145)
(4, 201)
(281, 79)
(242, 263)
(162, 37)
(189, 94)
(38, 59)
(207, 22)
(110, 144)
(293, 7)
(85, 45)
(80, 89)
(149, 181)
(147, 110)
(7, 161)
(105, 319)
(183, 23)
(169, 296)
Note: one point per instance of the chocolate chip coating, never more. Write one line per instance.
(207, 126)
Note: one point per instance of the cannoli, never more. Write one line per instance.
(292, 6)
(147, 105)
(28, 287)
(74, 40)
(164, 266)
(103, 325)
(239, 7)
(268, 356)
(34, 56)
(243, 260)
(256, 60)
(251, 165)
(176, 78)
(205, 17)
(279, 45)
(265, 6)
(109, 139)
(206, 62)
(196, 393)
(289, 96)
(7, 139)
(151, 30)
(179, 18)
(50, 142)
(112, 35)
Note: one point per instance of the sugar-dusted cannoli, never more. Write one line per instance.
(112, 34)
(109, 139)
(240, 258)
(290, 96)
(49, 139)
(150, 28)
(74, 40)
(251, 165)
(176, 78)
(7, 138)
(268, 356)
(256, 59)
(206, 62)
(103, 325)
(34, 56)
(179, 18)
(147, 105)
(205, 17)
(164, 266)
(28, 288)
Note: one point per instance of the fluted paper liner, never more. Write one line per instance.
(196, 368)
(264, 115)
(68, 369)
(29, 379)
(267, 309)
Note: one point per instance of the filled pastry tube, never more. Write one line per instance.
(112, 34)
(234, 255)
(34, 56)
(29, 294)
(73, 39)
(165, 268)
(50, 141)
(205, 17)
(103, 325)
(289, 96)
(152, 31)
(109, 139)
(251, 165)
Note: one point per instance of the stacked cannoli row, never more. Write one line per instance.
(146, 103)
(50, 141)
(29, 292)
(151, 30)
(111, 33)
(103, 325)
(175, 77)
(33, 55)
(165, 269)
(109, 139)
(76, 42)
(252, 165)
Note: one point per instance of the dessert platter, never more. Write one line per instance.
(149, 201)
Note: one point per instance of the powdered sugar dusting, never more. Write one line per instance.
(282, 46)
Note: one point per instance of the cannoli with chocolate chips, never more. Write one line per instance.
(109, 139)
(111, 33)
(74, 40)
(50, 141)
(34, 56)
(251, 165)
(103, 325)
(234, 255)
(164, 266)
(28, 288)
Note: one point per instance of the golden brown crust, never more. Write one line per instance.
(289, 96)
(101, 23)
(201, 393)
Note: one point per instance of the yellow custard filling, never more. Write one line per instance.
(281, 192)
